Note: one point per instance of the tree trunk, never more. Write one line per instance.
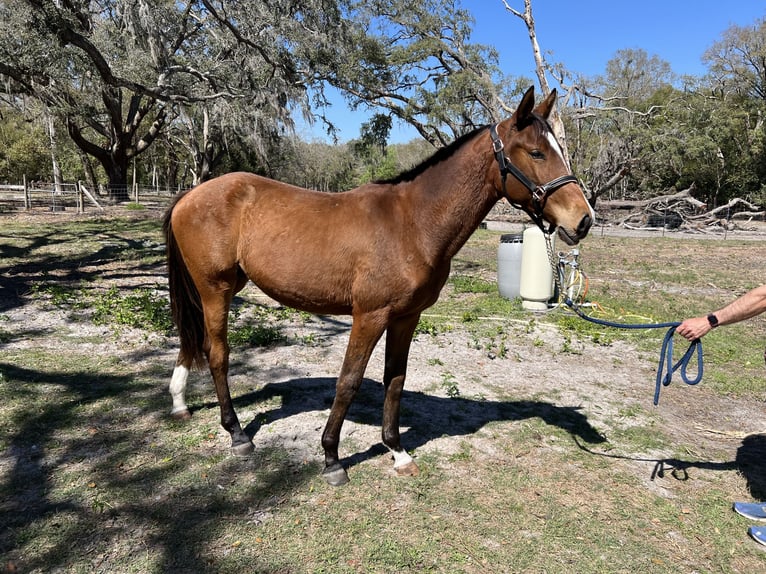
(87, 166)
(557, 125)
(57, 179)
(117, 174)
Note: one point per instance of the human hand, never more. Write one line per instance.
(694, 328)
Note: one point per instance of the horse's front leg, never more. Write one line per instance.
(398, 339)
(366, 331)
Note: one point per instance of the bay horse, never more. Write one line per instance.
(380, 253)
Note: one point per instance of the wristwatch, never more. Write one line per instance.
(713, 320)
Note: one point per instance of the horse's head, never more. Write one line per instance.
(533, 174)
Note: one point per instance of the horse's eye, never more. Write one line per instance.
(537, 154)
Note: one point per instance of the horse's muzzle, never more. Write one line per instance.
(573, 237)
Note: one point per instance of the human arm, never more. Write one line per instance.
(748, 305)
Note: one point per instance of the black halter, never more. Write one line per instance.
(540, 193)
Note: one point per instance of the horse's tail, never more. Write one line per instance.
(185, 301)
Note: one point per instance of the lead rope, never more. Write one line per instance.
(666, 367)
(553, 263)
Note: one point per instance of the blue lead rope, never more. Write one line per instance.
(666, 368)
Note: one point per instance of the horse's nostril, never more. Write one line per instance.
(584, 225)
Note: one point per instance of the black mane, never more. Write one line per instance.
(438, 156)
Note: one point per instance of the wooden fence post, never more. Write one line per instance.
(27, 198)
(80, 198)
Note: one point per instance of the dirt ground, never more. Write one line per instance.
(602, 382)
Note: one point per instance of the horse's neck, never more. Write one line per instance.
(453, 205)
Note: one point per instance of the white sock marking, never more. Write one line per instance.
(401, 458)
(178, 389)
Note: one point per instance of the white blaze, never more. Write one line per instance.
(554, 143)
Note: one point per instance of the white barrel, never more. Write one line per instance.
(509, 265)
(536, 284)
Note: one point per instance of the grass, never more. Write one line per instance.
(632, 281)
(142, 308)
(94, 477)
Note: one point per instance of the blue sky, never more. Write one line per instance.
(585, 34)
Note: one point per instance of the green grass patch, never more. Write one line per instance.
(471, 284)
(140, 308)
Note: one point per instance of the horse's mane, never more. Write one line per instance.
(438, 156)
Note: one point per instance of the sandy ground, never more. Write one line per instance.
(593, 387)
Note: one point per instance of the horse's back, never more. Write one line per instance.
(304, 248)
(270, 202)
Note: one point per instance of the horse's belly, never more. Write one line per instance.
(310, 300)
(302, 280)
(332, 262)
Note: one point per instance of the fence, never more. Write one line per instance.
(736, 220)
(76, 197)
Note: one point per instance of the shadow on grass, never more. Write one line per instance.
(428, 417)
(32, 264)
(750, 462)
(131, 497)
(84, 484)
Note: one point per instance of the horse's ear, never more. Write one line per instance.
(546, 106)
(525, 107)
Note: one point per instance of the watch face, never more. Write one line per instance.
(713, 320)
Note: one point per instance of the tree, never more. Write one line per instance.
(633, 76)
(23, 149)
(118, 72)
(608, 116)
(56, 59)
(414, 61)
(737, 75)
(125, 74)
(557, 125)
(371, 148)
(737, 62)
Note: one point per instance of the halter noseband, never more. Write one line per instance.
(540, 193)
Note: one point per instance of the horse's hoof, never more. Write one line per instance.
(242, 449)
(409, 469)
(183, 415)
(335, 475)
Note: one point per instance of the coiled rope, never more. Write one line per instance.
(666, 367)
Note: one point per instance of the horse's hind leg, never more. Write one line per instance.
(178, 389)
(215, 303)
(398, 339)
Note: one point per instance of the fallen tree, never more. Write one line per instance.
(681, 211)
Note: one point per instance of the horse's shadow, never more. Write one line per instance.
(426, 417)
(750, 462)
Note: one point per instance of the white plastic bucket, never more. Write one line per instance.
(509, 265)
(536, 284)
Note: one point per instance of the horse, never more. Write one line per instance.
(380, 253)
